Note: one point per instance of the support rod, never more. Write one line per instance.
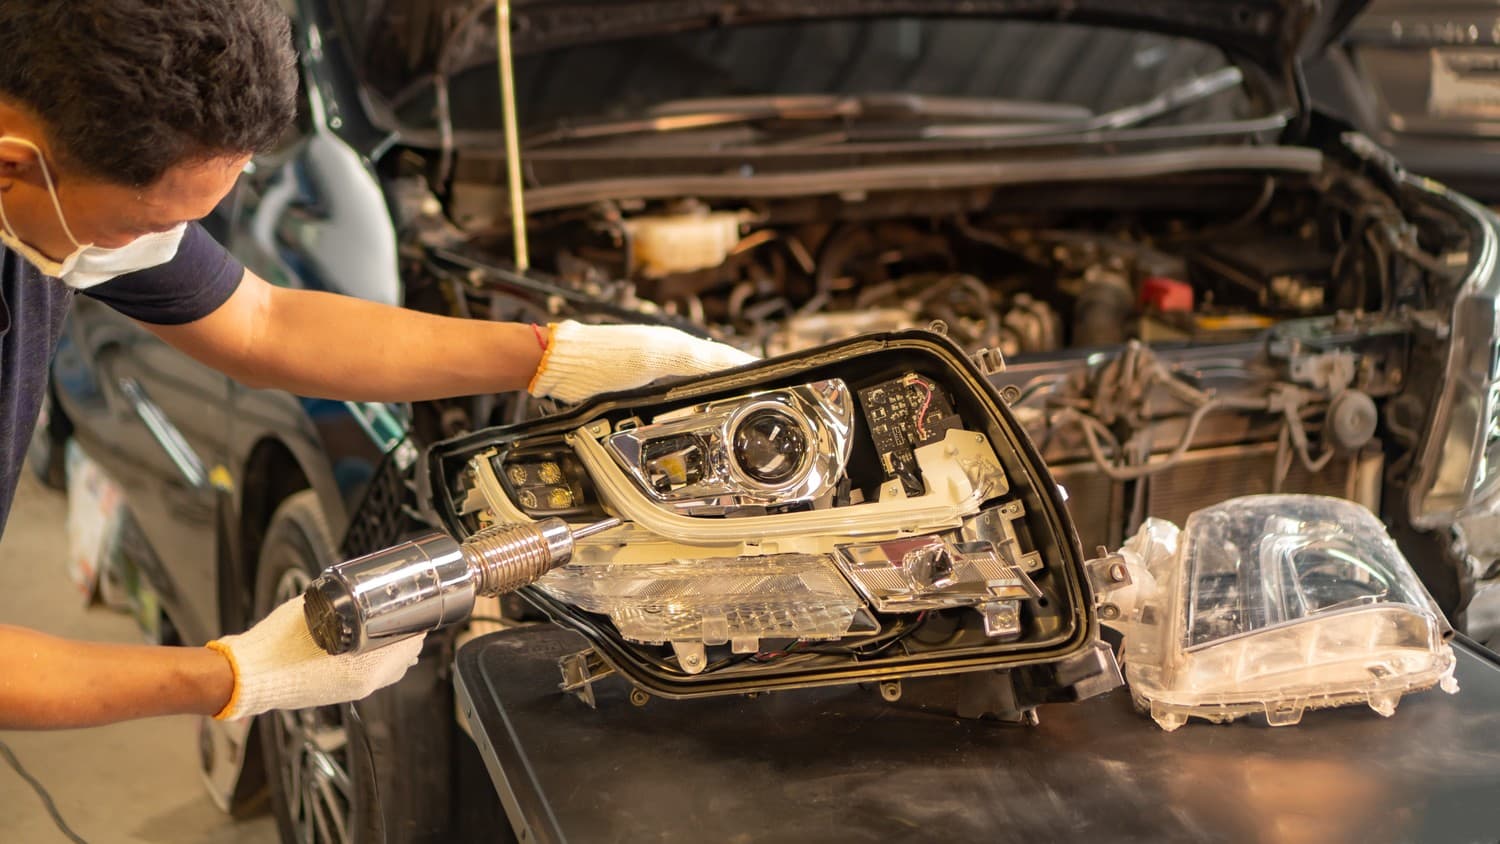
(512, 135)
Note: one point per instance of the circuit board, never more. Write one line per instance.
(903, 414)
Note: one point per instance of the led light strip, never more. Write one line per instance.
(962, 472)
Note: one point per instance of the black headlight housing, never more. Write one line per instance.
(1054, 652)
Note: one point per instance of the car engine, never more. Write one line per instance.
(1166, 345)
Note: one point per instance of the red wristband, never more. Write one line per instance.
(541, 337)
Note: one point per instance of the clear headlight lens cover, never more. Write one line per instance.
(1276, 604)
(721, 600)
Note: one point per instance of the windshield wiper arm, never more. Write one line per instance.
(1175, 98)
(710, 112)
(640, 126)
(882, 104)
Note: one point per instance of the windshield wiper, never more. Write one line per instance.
(885, 104)
(997, 119)
(1173, 99)
(711, 112)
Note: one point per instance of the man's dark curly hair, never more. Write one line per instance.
(126, 89)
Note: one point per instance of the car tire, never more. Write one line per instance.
(381, 776)
(47, 453)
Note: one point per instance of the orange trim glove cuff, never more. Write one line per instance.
(277, 665)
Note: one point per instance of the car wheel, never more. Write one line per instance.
(47, 452)
(381, 776)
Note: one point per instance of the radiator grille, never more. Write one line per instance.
(1208, 477)
(1096, 504)
(384, 515)
(1203, 478)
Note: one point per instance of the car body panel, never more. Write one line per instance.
(157, 422)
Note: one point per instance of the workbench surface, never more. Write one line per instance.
(841, 764)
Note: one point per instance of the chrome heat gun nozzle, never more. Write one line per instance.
(431, 582)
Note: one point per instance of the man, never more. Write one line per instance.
(121, 122)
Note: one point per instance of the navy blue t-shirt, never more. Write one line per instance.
(192, 285)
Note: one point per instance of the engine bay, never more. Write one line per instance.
(1214, 320)
(1032, 270)
(1164, 346)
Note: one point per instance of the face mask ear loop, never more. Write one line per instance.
(4, 220)
(51, 191)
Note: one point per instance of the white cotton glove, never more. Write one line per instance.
(277, 665)
(583, 360)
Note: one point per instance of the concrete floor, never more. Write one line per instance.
(134, 782)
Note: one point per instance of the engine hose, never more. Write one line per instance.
(1296, 435)
(840, 246)
(1093, 428)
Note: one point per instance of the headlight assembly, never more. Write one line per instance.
(869, 508)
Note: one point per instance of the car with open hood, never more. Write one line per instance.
(1161, 280)
(1419, 78)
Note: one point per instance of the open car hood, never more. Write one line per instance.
(1270, 32)
(409, 35)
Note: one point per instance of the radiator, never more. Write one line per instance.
(1206, 477)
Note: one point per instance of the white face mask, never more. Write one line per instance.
(89, 265)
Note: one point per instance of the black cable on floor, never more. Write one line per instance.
(41, 792)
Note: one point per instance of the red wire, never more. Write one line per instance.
(926, 403)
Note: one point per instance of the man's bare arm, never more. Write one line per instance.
(337, 347)
(52, 683)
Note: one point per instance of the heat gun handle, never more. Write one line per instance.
(409, 588)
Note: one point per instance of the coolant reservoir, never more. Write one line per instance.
(682, 243)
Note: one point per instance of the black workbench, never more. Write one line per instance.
(840, 764)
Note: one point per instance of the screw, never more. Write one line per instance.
(639, 697)
(1010, 393)
(1117, 572)
(1109, 612)
(891, 690)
